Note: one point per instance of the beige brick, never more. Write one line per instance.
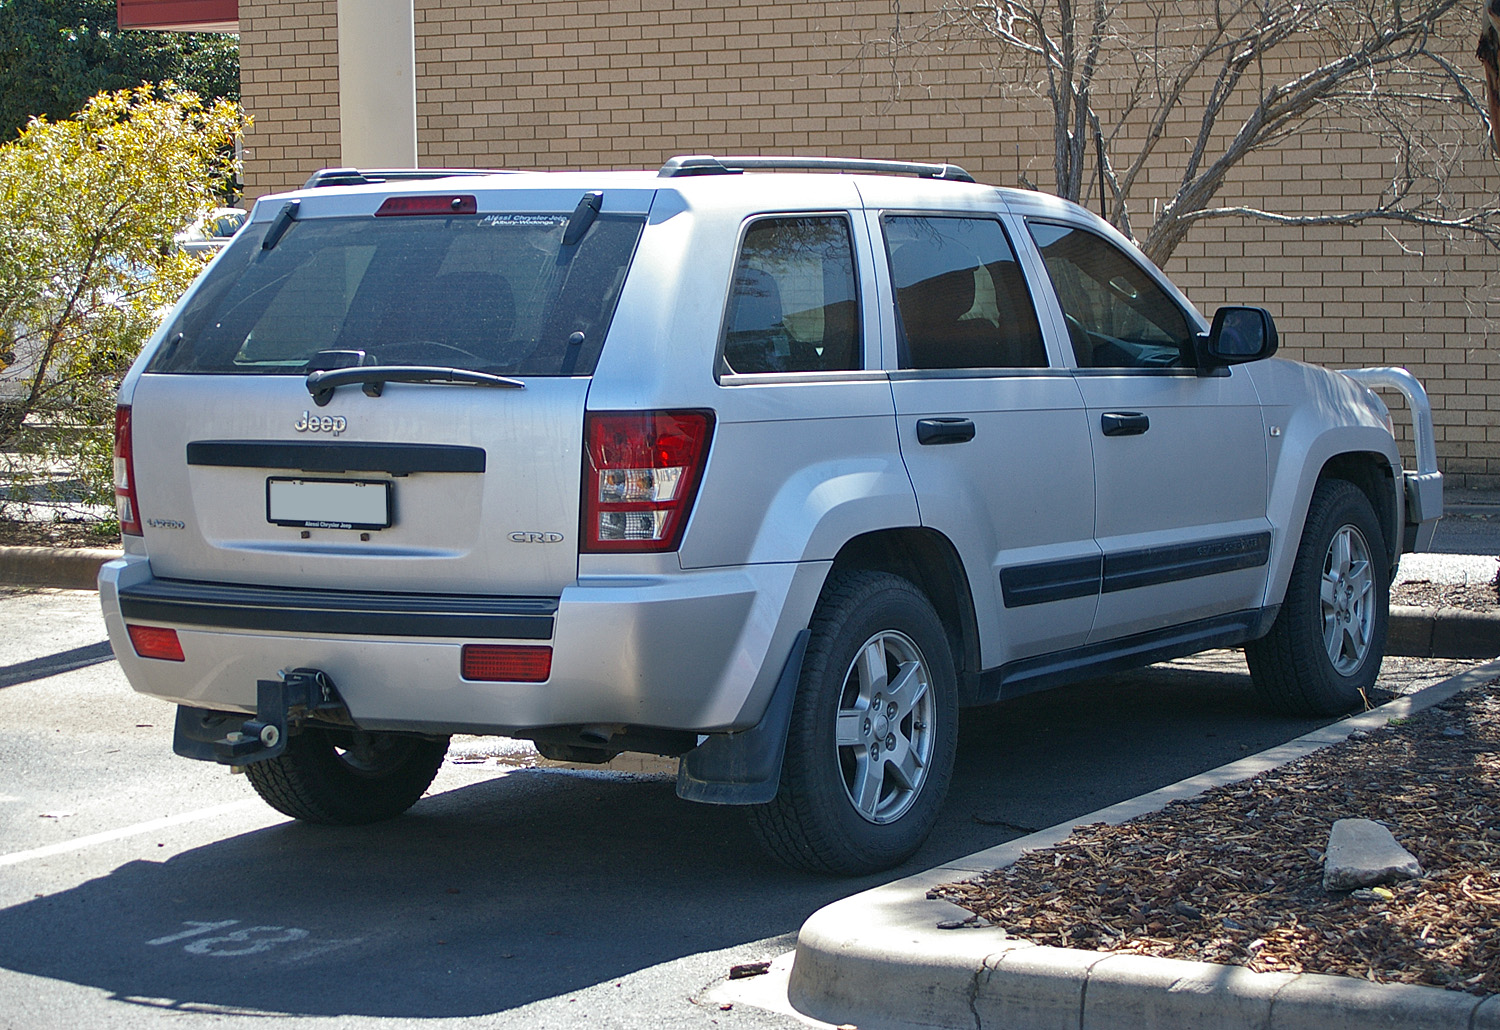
(624, 83)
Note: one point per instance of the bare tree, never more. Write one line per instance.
(1233, 77)
(1488, 53)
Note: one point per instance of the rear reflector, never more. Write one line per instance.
(641, 472)
(444, 205)
(506, 663)
(155, 642)
(125, 502)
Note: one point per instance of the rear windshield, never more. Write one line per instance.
(494, 293)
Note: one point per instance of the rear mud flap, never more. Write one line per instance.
(744, 768)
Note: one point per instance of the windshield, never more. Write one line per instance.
(493, 293)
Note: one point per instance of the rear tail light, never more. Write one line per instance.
(125, 502)
(508, 663)
(641, 472)
(155, 642)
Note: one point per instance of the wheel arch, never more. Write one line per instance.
(929, 560)
(1372, 474)
(1361, 457)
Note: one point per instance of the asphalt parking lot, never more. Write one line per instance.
(136, 886)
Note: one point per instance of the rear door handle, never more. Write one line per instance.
(944, 430)
(1124, 423)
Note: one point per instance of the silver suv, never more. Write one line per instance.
(771, 472)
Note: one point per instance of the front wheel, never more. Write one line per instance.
(347, 777)
(870, 750)
(1324, 651)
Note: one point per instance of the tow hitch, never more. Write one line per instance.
(298, 695)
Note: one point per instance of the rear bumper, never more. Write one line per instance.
(698, 650)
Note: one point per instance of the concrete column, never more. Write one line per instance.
(377, 84)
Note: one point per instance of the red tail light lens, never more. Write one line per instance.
(125, 503)
(507, 663)
(155, 642)
(640, 475)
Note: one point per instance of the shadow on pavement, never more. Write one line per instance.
(55, 664)
(537, 883)
(481, 899)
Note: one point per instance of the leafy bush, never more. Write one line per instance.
(88, 209)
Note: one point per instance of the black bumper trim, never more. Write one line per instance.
(338, 612)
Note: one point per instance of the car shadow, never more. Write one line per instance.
(481, 899)
(536, 883)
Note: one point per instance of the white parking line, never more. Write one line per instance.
(63, 847)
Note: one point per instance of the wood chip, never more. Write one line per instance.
(1134, 888)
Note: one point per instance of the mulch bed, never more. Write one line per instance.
(1421, 593)
(1235, 875)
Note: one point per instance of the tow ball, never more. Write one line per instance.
(298, 695)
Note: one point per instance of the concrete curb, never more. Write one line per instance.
(1442, 633)
(877, 959)
(69, 568)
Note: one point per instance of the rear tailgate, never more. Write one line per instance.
(483, 483)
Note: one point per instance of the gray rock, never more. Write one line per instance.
(1362, 853)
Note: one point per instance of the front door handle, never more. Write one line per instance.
(944, 430)
(1124, 423)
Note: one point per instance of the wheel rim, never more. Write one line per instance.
(1348, 600)
(885, 727)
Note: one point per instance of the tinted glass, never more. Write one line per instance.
(960, 295)
(1118, 317)
(492, 293)
(793, 306)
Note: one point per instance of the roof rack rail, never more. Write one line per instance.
(368, 176)
(705, 164)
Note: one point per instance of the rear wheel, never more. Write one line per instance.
(870, 749)
(347, 777)
(1324, 651)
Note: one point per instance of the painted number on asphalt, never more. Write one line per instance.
(250, 940)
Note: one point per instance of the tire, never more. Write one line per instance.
(347, 777)
(860, 788)
(1324, 651)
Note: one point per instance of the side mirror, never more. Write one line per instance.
(1239, 334)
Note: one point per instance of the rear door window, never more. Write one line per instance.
(960, 295)
(495, 293)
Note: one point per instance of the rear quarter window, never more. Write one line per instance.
(793, 305)
(496, 293)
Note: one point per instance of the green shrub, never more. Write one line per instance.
(88, 209)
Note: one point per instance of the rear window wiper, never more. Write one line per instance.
(282, 222)
(372, 379)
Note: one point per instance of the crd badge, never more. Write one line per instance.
(536, 538)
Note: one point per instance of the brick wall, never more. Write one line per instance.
(289, 82)
(629, 83)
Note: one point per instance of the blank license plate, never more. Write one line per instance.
(329, 503)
